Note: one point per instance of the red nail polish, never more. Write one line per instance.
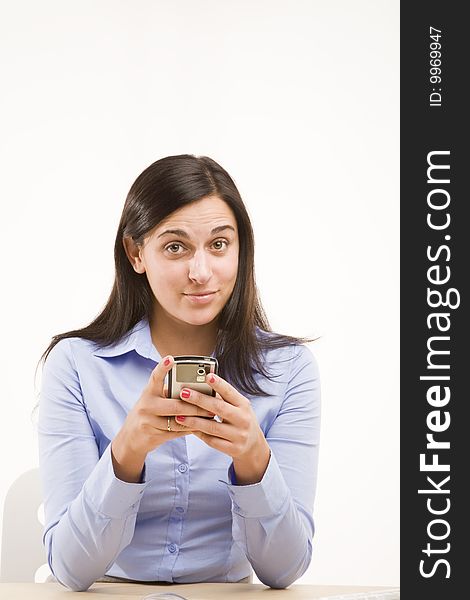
(180, 418)
(167, 362)
(211, 379)
(185, 394)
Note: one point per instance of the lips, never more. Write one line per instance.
(201, 297)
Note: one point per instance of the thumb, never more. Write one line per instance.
(157, 377)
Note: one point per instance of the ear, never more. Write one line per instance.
(134, 254)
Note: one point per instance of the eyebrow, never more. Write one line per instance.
(183, 234)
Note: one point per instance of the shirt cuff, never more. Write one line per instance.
(109, 495)
(262, 499)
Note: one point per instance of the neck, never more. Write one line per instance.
(176, 338)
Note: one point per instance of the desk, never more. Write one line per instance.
(195, 591)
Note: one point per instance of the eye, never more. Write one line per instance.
(220, 244)
(174, 248)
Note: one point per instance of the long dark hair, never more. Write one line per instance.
(162, 188)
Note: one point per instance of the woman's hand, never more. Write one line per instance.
(239, 435)
(149, 424)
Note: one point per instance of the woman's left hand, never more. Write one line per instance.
(239, 435)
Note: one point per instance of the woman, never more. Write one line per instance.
(141, 487)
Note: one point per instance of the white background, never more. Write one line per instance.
(298, 100)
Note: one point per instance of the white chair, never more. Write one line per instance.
(22, 550)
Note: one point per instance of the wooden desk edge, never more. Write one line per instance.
(193, 591)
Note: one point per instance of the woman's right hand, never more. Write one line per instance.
(146, 425)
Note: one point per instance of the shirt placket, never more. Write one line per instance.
(178, 510)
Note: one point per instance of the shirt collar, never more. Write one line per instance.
(138, 339)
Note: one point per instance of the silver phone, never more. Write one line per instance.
(190, 371)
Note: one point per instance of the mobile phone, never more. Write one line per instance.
(190, 371)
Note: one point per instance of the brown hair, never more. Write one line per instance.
(162, 188)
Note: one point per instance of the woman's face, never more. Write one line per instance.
(191, 261)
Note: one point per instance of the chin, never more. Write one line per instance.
(204, 318)
(200, 321)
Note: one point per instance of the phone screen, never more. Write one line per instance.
(192, 373)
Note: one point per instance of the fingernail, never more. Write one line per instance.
(179, 418)
(166, 362)
(212, 379)
(185, 393)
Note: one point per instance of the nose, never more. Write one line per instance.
(199, 268)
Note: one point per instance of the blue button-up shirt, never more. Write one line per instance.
(187, 521)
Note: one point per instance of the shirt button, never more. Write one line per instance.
(182, 468)
(179, 509)
(172, 548)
